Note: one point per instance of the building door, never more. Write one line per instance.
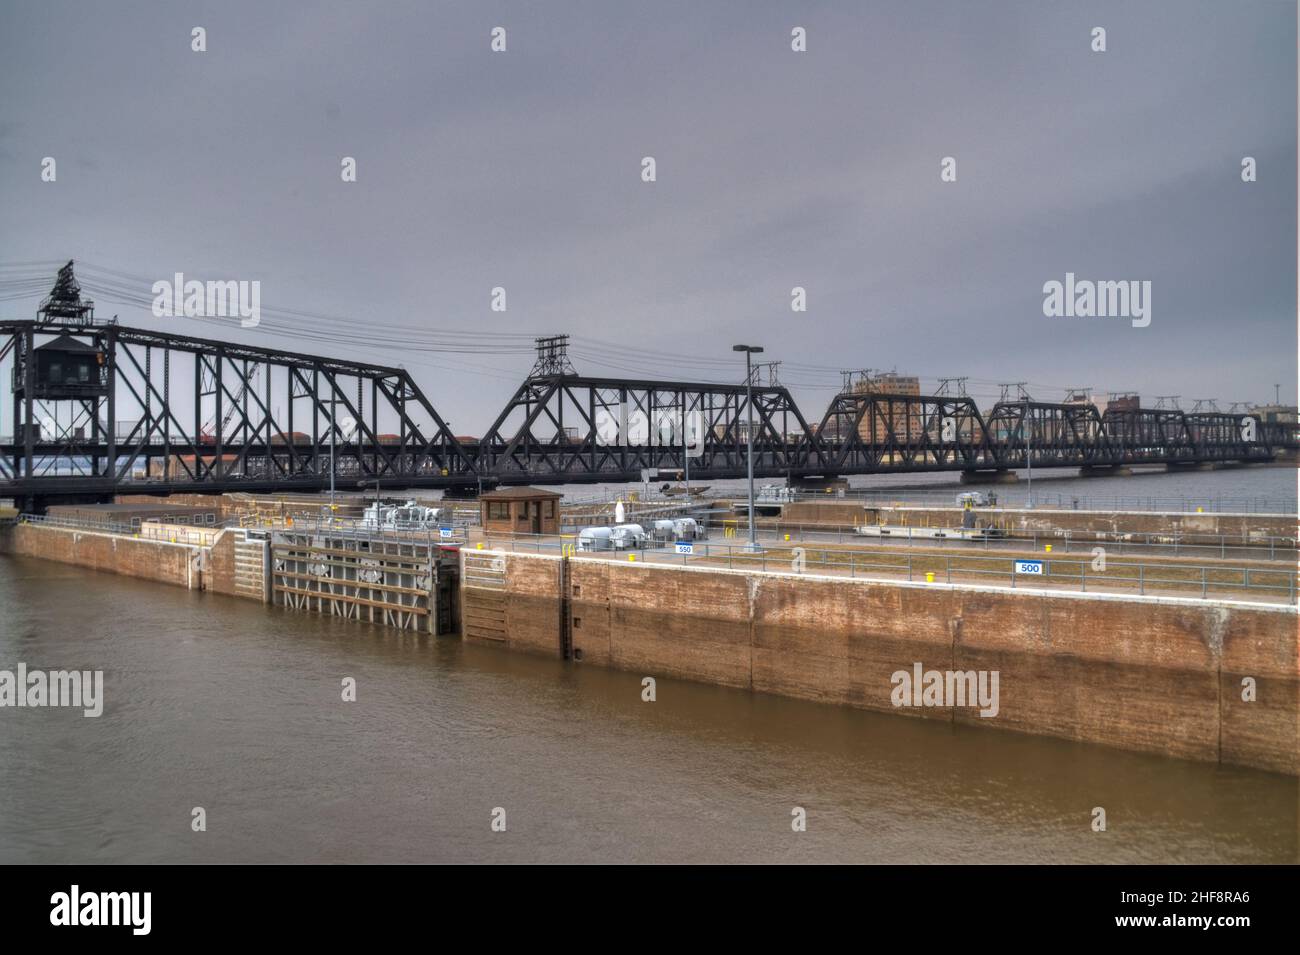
(536, 507)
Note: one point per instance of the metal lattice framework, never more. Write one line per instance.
(211, 415)
(100, 409)
(566, 427)
(214, 416)
(869, 433)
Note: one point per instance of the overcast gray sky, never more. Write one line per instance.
(775, 169)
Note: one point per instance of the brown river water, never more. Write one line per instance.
(235, 707)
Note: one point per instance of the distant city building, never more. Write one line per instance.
(1275, 414)
(741, 429)
(1120, 402)
(182, 466)
(900, 417)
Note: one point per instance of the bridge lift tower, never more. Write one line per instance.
(62, 389)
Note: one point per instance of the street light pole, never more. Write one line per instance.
(331, 458)
(686, 452)
(750, 350)
(1029, 463)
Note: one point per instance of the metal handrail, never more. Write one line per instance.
(1199, 578)
(1175, 542)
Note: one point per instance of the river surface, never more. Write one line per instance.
(234, 707)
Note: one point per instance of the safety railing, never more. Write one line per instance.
(200, 535)
(1258, 547)
(453, 532)
(1018, 497)
(1265, 584)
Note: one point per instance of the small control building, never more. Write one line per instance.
(520, 510)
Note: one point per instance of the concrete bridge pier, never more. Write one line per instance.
(1180, 466)
(1105, 470)
(1000, 476)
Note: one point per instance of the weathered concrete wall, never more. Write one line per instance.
(1150, 674)
(220, 576)
(178, 562)
(132, 557)
(225, 573)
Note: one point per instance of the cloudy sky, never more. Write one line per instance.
(775, 169)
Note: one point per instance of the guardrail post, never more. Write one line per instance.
(1142, 589)
(909, 567)
(1205, 582)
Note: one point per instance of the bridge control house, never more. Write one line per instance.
(69, 369)
(520, 510)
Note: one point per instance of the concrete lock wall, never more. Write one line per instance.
(231, 565)
(1156, 675)
(114, 553)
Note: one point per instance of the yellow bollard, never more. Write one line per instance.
(1047, 548)
(632, 558)
(1200, 510)
(787, 536)
(478, 546)
(929, 576)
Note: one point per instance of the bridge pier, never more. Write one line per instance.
(989, 477)
(1190, 466)
(817, 483)
(1105, 470)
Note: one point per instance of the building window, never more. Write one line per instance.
(577, 590)
(550, 508)
(498, 511)
(577, 623)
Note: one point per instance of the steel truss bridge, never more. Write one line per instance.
(208, 416)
